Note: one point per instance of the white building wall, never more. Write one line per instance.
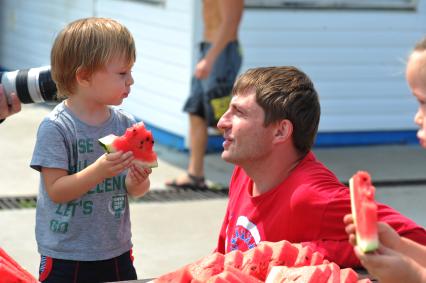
(164, 41)
(28, 28)
(355, 57)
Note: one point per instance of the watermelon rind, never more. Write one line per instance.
(366, 245)
(106, 143)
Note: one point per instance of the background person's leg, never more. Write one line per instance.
(198, 142)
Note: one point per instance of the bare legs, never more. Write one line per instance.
(198, 142)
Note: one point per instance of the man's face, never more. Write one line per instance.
(416, 78)
(246, 139)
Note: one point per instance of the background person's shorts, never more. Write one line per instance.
(224, 73)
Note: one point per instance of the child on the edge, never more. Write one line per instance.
(399, 259)
(82, 216)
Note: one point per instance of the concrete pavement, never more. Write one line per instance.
(169, 234)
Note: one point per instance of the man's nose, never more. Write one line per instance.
(223, 120)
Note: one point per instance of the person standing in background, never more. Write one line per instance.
(216, 70)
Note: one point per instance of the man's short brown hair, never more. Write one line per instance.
(88, 44)
(285, 93)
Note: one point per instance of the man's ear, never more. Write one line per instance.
(283, 131)
(82, 76)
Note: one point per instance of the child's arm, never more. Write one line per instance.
(137, 180)
(389, 266)
(414, 250)
(62, 187)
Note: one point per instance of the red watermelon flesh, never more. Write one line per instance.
(303, 274)
(223, 277)
(256, 261)
(241, 275)
(327, 270)
(317, 258)
(207, 266)
(335, 273)
(181, 275)
(216, 279)
(304, 256)
(136, 139)
(348, 275)
(364, 211)
(283, 253)
(234, 258)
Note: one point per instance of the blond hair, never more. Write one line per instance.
(88, 44)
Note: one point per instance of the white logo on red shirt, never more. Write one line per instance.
(245, 235)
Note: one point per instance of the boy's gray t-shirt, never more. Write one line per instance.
(95, 226)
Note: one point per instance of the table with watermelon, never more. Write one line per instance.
(268, 262)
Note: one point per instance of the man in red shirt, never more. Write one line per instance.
(279, 190)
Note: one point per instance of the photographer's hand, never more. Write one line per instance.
(5, 109)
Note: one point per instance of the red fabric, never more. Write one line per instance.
(46, 268)
(12, 272)
(307, 207)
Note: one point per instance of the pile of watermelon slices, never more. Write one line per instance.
(268, 262)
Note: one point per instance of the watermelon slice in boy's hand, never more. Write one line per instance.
(364, 211)
(136, 139)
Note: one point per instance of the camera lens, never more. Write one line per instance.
(31, 85)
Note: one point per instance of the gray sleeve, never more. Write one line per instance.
(50, 149)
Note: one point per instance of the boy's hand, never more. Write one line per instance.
(137, 175)
(112, 164)
(387, 235)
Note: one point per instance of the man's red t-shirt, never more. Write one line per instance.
(307, 207)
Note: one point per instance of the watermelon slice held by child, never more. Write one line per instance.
(136, 139)
(364, 211)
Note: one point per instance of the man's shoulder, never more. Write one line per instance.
(310, 167)
(314, 175)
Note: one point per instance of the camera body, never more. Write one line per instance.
(33, 85)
